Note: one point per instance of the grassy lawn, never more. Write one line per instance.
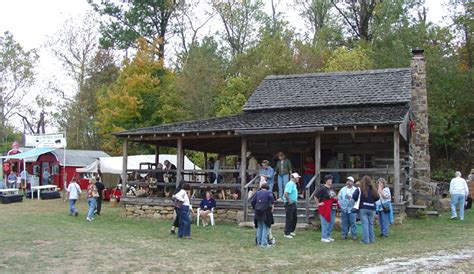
(40, 236)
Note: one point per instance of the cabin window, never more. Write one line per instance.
(55, 170)
(360, 161)
(36, 170)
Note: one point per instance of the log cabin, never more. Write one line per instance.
(356, 123)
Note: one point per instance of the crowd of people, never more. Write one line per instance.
(357, 200)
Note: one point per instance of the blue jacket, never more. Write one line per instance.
(211, 203)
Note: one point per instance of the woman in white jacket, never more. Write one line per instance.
(459, 191)
(183, 205)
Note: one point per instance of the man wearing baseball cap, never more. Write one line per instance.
(348, 215)
(290, 197)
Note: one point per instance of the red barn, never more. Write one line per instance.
(59, 165)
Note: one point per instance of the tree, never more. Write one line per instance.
(232, 97)
(75, 46)
(79, 116)
(141, 96)
(344, 59)
(358, 14)
(188, 24)
(124, 23)
(201, 78)
(241, 20)
(317, 14)
(16, 75)
(35, 118)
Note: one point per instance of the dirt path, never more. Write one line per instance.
(446, 260)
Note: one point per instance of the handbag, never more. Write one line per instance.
(386, 207)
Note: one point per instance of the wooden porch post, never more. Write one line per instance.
(157, 154)
(205, 166)
(124, 166)
(317, 157)
(243, 166)
(396, 165)
(179, 160)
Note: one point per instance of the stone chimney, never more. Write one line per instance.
(419, 138)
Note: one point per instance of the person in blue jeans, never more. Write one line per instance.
(283, 171)
(384, 207)
(348, 215)
(459, 190)
(184, 226)
(326, 199)
(367, 196)
(262, 203)
(92, 194)
(267, 171)
(73, 192)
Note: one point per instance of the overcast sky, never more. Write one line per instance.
(32, 21)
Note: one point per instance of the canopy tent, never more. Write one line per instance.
(91, 168)
(113, 165)
(29, 154)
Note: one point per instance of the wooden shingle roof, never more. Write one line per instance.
(371, 87)
(285, 119)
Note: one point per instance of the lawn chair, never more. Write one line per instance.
(211, 216)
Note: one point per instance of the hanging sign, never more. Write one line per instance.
(55, 140)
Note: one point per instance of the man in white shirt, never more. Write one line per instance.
(459, 191)
(73, 192)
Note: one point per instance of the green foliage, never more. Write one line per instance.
(201, 78)
(126, 22)
(443, 175)
(344, 59)
(232, 98)
(140, 97)
(241, 21)
(80, 115)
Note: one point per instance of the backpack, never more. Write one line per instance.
(261, 204)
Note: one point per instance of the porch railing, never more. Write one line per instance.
(309, 195)
(245, 195)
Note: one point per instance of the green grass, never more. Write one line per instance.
(40, 236)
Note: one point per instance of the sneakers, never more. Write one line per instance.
(76, 214)
(326, 241)
(331, 239)
(288, 236)
(453, 218)
(279, 200)
(89, 219)
(293, 234)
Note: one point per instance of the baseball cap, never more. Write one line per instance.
(295, 175)
(351, 178)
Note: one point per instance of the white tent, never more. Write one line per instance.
(113, 165)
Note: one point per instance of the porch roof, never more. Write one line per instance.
(285, 119)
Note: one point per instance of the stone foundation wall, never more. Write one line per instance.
(168, 213)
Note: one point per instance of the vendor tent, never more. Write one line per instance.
(113, 165)
(33, 153)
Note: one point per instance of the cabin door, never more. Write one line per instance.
(45, 173)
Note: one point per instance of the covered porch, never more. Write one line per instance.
(377, 151)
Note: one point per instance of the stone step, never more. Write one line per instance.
(432, 214)
(281, 217)
(277, 225)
